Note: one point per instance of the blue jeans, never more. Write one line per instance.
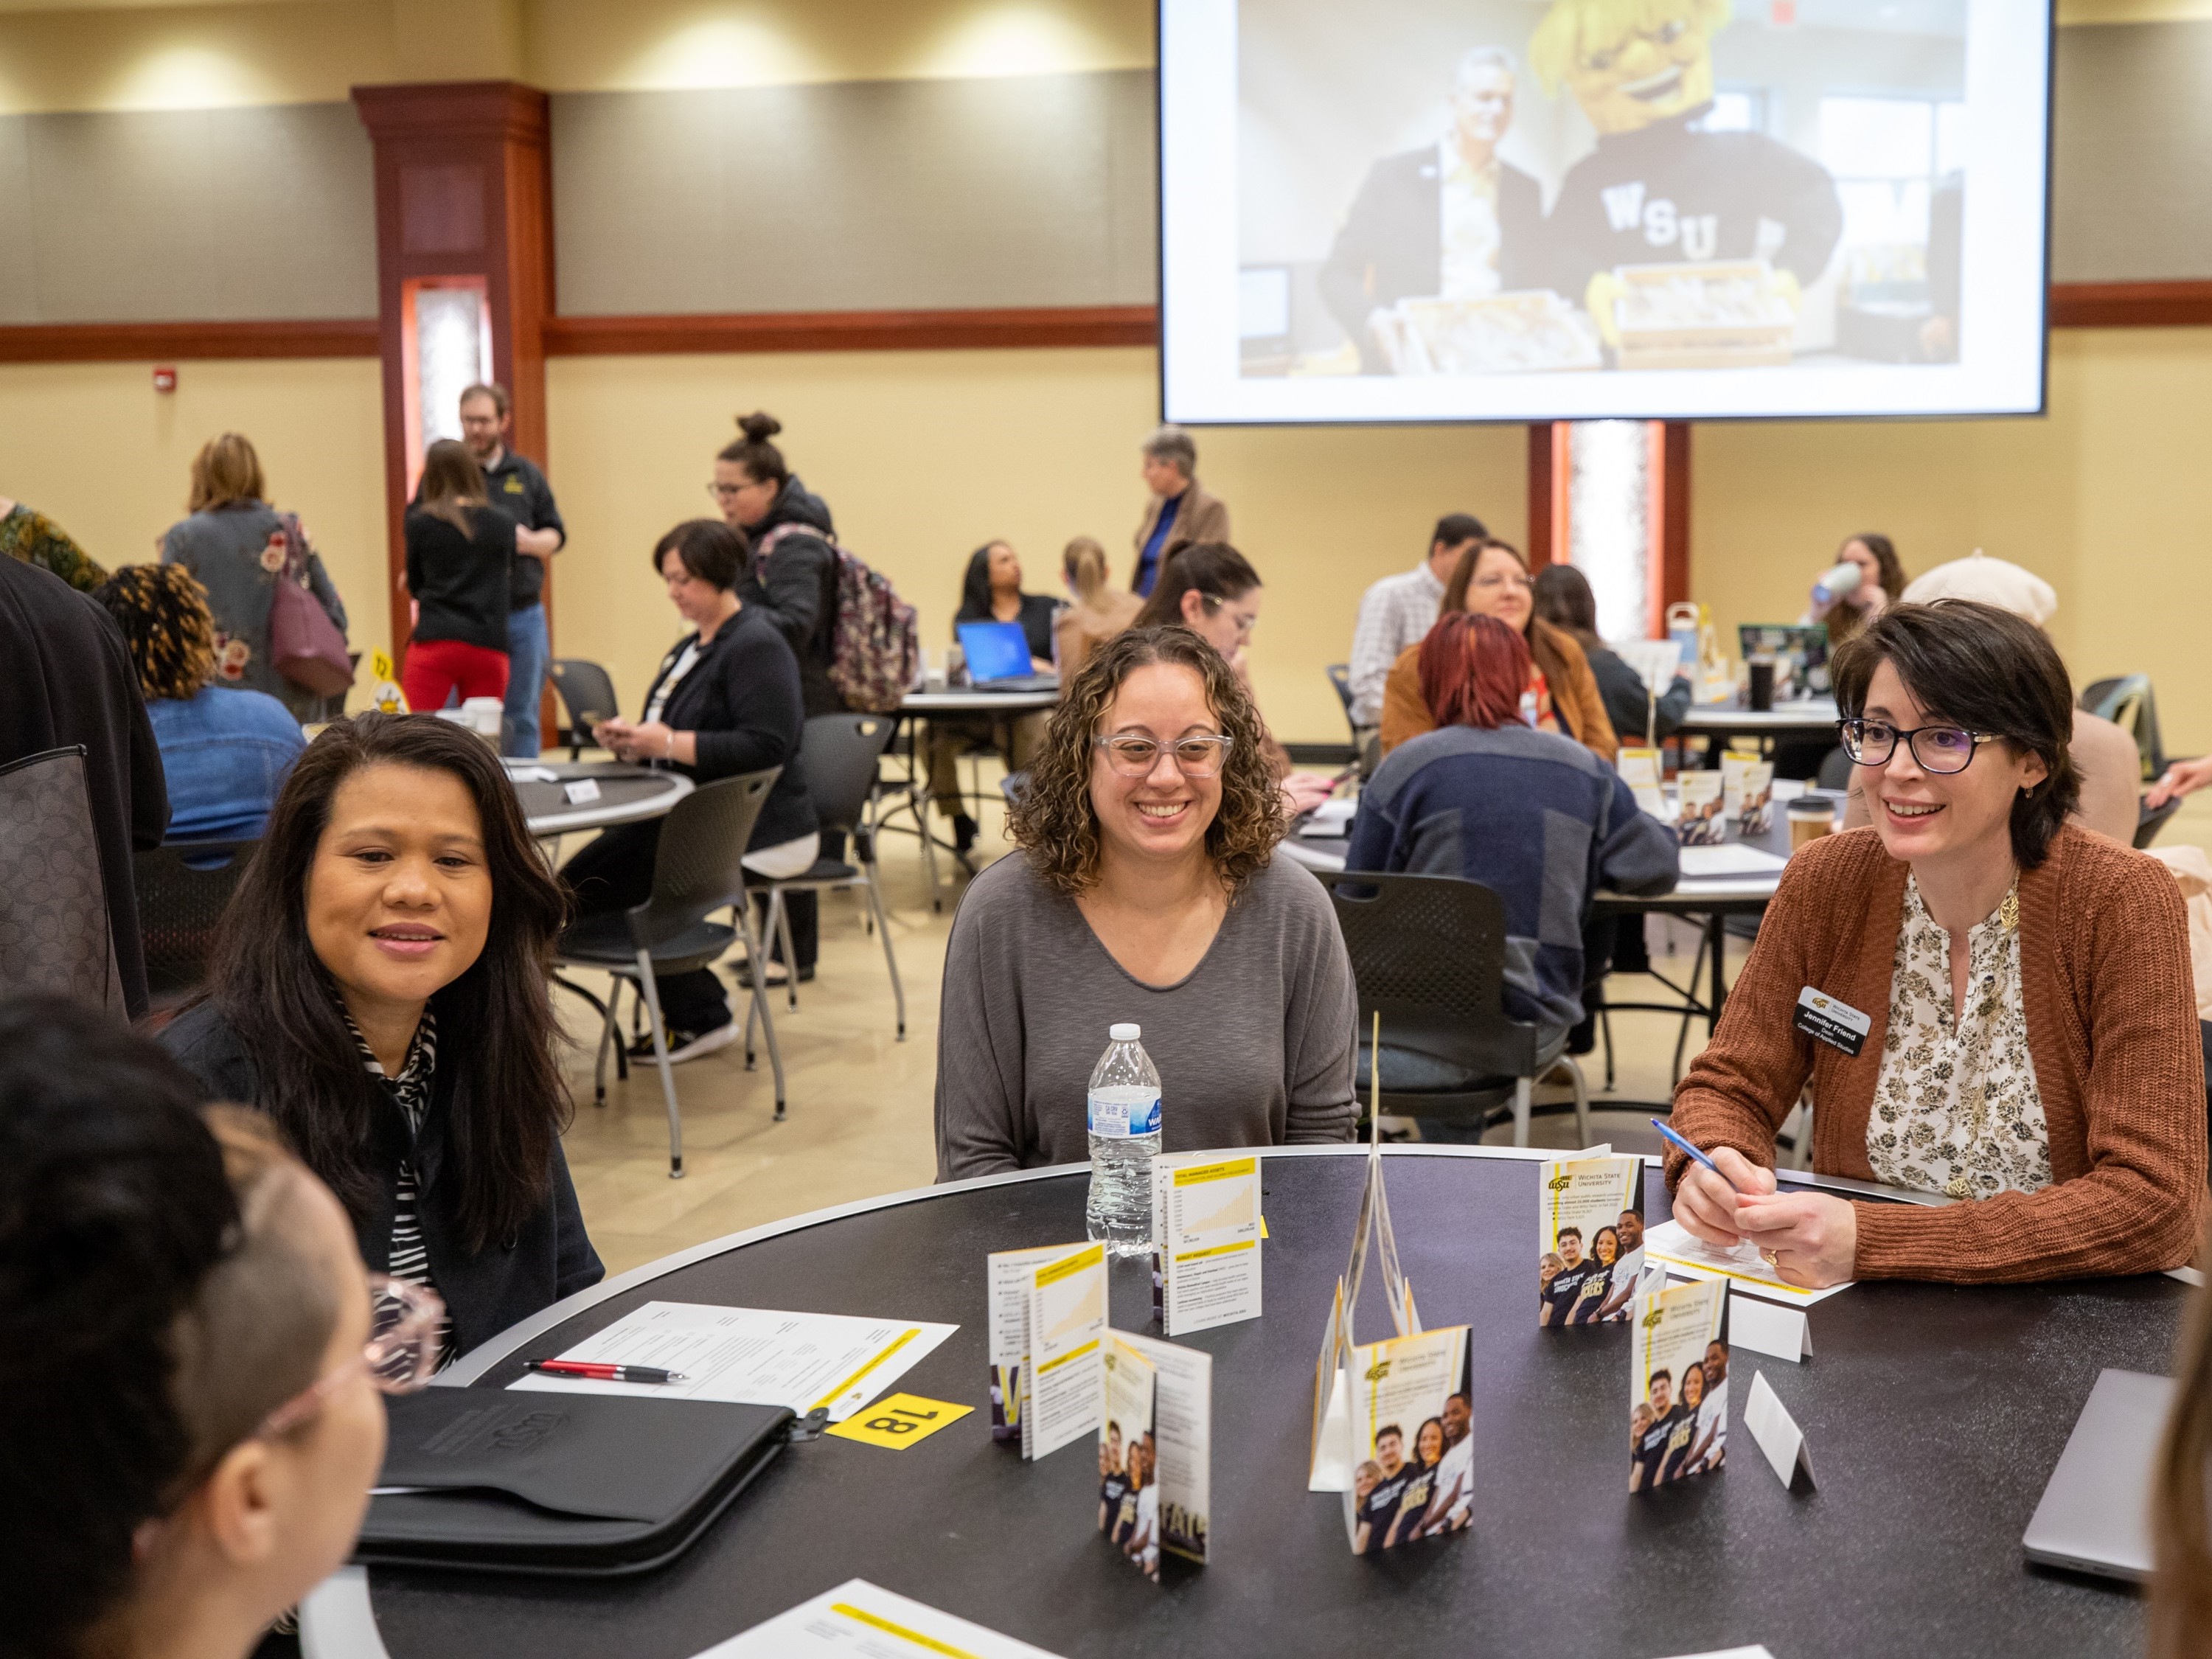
(527, 648)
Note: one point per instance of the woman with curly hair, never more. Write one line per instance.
(1145, 888)
(225, 750)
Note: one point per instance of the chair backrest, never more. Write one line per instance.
(839, 753)
(2128, 701)
(2149, 820)
(1340, 675)
(586, 689)
(1835, 769)
(699, 865)
(55, 934)
(183, 888)
(1428, 953)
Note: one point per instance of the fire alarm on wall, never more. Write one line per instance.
(165, 378)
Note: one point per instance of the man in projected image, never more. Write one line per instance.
(1449, 218)
(1656, 190)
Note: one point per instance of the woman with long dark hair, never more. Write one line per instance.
(460, 561)
(397, 900)
(990, 591)
(1565, 600)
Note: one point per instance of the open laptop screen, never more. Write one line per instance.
(995, 651)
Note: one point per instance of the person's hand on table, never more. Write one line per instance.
(1811, 1240)
(1705, 1203)
(651, 741)
(1304, 791)
(1039, 666)
(2182, 778)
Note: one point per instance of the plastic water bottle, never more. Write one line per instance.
(1125, 1139)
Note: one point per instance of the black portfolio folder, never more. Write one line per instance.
(509, 1482)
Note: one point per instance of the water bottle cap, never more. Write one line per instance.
(1124, 1032)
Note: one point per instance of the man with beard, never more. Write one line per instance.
(1566, 1284)
(1650, 1447)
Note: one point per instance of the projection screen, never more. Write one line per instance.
(1560, 209)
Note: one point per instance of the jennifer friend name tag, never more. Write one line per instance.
(1837, 1023)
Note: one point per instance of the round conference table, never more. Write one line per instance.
(1801, 717)
(625, 793)
(1933, 1415)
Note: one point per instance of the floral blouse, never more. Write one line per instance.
(1956, 1109)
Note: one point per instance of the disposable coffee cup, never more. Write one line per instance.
(1811, 816)
(1762, 684)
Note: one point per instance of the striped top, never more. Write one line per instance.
(410, 1091)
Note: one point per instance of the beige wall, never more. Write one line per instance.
(2107, 499)
(96, 448)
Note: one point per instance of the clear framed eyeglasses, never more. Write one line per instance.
(1133, 755)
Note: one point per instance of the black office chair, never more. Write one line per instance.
(839, 754)
(696, 870)
(2127, 701)
(587, 692)
(183, 889)
(1835, 771)
(1340, 675)
(1428, 952)
(55, 931)
(2149, 820)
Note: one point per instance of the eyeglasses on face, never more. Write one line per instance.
(1134, 755)
(723, 492)
(1939, 748)
(399, 1356)
(1245, 620)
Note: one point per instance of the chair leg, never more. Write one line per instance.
(760, 1004)
(1523, 1088)
(599, 1062)
(652, 993)
(1605, 1030)
(615, 982)
(890, 961)
(1683, 1036)
(1582, 1096)
(779, 930)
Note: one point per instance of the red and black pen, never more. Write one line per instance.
(604, 1373)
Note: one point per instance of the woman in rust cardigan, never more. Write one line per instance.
(1493, 580)
(2064, 1111)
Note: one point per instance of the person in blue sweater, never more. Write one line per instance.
(1533, 816)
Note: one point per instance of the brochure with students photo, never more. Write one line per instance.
(1698, 823)
(1412, 1450)
(1589, 1239)
(1066, 1332)
(1747, 792)
(1155, 1449)
(1677, 1385)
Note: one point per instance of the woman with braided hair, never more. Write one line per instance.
(226, 750)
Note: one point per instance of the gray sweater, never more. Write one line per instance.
(1254, 1047)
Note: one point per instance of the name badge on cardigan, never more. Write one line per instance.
(1826, 1019)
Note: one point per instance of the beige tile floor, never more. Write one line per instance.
(860, 1119)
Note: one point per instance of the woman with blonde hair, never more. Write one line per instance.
(240, 547)
(1145, 887)
(1099, 612)
(461, 560)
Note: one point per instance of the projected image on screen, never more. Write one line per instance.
(1546, 208)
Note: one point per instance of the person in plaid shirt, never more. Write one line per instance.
(1399, 611)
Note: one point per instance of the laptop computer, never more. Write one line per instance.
(999, 658)
(2096, 1512)
(1800, 651)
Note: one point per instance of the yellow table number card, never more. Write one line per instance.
(1589, 1239)
(902, 1420)
(1677, 1384)
(1155, 1450)
(1205, 1211)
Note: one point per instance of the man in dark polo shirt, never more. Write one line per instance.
(1566, 1285)
(519, 489)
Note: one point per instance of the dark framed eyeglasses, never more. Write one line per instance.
(1938, 748)
(1134, 757)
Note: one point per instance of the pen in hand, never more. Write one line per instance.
(1682, 1145)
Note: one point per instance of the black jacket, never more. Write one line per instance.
(742, 697)
(485, 1292)
(66, 679)
(1669, 194)
(519, 489)
(1628, 704)
(796, 587)
(461, 581)
(1391, 246)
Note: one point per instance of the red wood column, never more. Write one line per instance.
(1551, 475)
(463, 200)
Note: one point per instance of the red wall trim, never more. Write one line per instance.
(2131, 304)
(854, 330)
(125, 342)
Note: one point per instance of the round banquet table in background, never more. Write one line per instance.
(1933, 1416)
(627, 793)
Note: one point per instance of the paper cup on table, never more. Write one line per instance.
(1811, 816)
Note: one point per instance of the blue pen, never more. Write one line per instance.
(1674, 1140)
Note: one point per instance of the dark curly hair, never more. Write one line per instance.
(163, 612)
(1055, 823)
(1990, 671)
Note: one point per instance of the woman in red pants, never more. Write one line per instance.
(459, 552)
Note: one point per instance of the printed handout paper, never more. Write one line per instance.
(858, 1620)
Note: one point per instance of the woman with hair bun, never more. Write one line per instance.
(191, 1355)
(1145, 887)
(1534, 815)
(793, 578)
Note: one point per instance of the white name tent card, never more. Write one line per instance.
(1770, 1328)
(858, 1620)
(752, 1356)
(1155, 1449)
(1206, 1221)
(582, 792)
(1777, 1434)
(1684, 1257)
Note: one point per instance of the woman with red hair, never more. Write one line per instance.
(1534, 816)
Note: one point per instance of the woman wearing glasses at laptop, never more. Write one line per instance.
(1145, 888)
(1211, 589)
(190, 1354)
(990, 592)
(1989, 1003)
(1493, 580)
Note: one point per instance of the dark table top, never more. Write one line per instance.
(1933, 1416)
(626, 793)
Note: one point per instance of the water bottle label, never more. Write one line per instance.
(1118, 1114)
